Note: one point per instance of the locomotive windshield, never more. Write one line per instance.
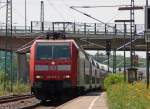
(44, 52)
(61, 51)
(52, 51)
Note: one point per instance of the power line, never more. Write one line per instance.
(2, 2)
(63, 1)
(60, 14)
(128, 43)
(115, 15)
(5, 3)
(72, 7)
(102, 6)
(3, 6)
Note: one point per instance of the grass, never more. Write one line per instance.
(18, 88)
(121, 95)
(21, 88)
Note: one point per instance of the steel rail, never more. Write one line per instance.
(13, 98)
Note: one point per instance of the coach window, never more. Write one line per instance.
(98, 80)
(87, 79)
(84, 70)
(93, 79)
(95, 74)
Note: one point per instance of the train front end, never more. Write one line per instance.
(51, 68)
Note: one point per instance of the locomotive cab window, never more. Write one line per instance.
(53, 51)
(44, 52)
(62, 51)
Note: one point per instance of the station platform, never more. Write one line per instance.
(94, 100)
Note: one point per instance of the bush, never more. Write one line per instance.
(113, 79)
(122, 95)
(128, 96)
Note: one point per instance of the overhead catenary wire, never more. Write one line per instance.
(102, 6)
(24, 46)
(114, 16)
(99, 20)
(3, 6)
(60, 14)
(63, 1)
(2, 2)
(27, 44)
(104, 1)
(72, 7)
(128, 43)
(98, 45)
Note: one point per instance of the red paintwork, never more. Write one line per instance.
(55, 75)
(32, 63)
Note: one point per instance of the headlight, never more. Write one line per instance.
(63, 67)
(39, 76)
(67, 76)
(41, 67)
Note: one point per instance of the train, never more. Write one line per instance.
(61, 68)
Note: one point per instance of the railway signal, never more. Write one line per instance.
(108, 50)
(108, 47)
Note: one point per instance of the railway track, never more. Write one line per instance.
(7, 99)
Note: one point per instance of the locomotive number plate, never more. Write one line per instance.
(52, 67)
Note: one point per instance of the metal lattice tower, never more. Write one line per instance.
(8, 70)
(132, 31)
(42, 16)
(9, 18)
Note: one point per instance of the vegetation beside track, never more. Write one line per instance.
(16, 87)
(122, 95)
(11, 82)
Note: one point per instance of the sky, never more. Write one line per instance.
(59, 10)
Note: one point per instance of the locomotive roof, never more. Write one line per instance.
(57, 41)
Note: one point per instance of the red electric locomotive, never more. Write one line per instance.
(59, 67)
